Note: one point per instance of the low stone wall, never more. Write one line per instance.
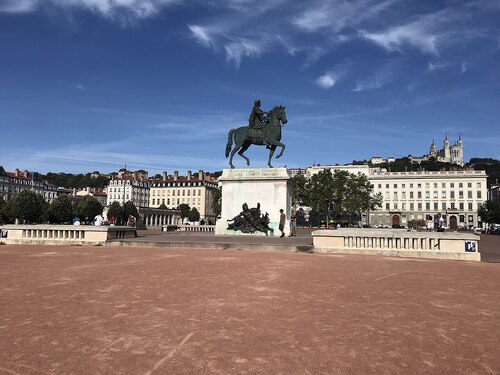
(188, 228)
(64, 234)
(398, 242)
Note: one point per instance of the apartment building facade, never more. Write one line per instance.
(453, 195)
(12, 183)
(128, 189)
(196, 191)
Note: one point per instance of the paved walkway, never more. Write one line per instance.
(105, 310)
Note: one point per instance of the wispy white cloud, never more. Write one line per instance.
(419, 34)
(366, 85)
(18, 6)
(124, 11)
(337, 15)
(432, 66)
(79, 86)
(463, 66)
(326, 81)
(244, 48)
(201, 34)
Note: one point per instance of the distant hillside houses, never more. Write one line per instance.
(12, 183)
(453, 154)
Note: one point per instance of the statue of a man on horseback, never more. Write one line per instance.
(257, 116)
(262, 130)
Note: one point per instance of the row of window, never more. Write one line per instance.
(179, 192)
(435, 194)
(411, 216)
(174, 184)
(435, 185)
(174, 200)
(118, 189)
(435, 206)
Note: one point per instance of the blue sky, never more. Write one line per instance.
(157, 84)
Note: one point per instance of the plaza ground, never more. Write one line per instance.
(126, 310)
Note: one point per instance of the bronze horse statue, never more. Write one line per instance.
(269, 136)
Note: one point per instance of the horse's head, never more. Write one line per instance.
(279, 112)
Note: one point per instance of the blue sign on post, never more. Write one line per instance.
(470, 246)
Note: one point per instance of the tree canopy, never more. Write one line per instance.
(60, 211)
(78, 181)
(115, 210)
(339, 193)
(489, 212)
(185, 209)
(88, 208)
(194, 215)
(28, 207)
(216, 203)
(129, 209)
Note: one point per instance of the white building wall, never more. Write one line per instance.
(414, 195)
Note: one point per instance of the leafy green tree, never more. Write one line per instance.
(28, 207)
(4, 216)
(69, 180)
(489, 212)
(129, 209)
(185, 209)
(216, 203)
(60, 210)
(88, 208)
(325, 192)
(298, 190)
(301, 217)
(359, 197)
(115, 210)
(314, 218)
(194, 215)
(340, 194)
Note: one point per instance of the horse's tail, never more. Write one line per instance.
(229, 141)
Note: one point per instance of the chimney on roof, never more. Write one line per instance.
(176, 175)
(165, 175)
(26, 174)
(17, 172)
(189, 175)
(74, 192)
(201, 175)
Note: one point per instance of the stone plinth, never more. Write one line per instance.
(267, 186)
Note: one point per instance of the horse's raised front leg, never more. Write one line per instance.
(282, 145)
(271, 153)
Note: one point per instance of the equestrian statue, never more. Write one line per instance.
(264, 129)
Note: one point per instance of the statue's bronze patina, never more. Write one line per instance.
(250, 220)
(261, 131)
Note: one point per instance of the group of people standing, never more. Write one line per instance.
(293, 224)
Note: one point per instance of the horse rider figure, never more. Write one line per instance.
(257, 120)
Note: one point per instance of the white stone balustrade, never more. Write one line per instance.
(398, 242)
(64, 234)
(188, 228)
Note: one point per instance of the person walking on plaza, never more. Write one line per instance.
(293, 226)
(282, 223)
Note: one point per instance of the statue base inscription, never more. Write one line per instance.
(266, 188)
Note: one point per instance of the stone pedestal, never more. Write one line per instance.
(267, 186)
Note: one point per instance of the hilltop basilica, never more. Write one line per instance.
(453, 154)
